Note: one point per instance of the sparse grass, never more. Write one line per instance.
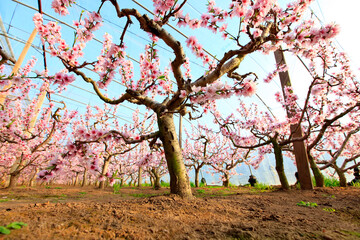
(231, 185)
(144, 195)
(213, 186)
(331, 182)
(192, 184)
(164, 184)
(116, 188)
(329, 209)
(357, 184)
(328, 196)
(261, 187)
(82, 193)
(57, 187)
(200, 191)
(146, 185)
(306, 204)
(356, 234)
(4, 200)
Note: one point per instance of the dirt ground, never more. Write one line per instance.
(63, 212)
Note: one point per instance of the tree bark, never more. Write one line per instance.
(85, 176)
(341, 175)
(197, 171)
(14, 176)
(280, 165)
(319, 177)
(179, 180)
(151, 180)
(76, 179)
(33, 178)
(103, 172)
(139, 177)
(226, 181)
(155, 179)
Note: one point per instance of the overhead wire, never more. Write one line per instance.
(72, 85)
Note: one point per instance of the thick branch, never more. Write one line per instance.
(328, 123)
(5, 57)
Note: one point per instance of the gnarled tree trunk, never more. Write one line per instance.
(155, 179)
(85, 178)
(139, 177)
(197, 171)
(104, 171)
(319, 178)
(14, 176)
(179, 180)
(280, 165)
(33, 178)
(76, 181)
(341, 175)
(226, 181)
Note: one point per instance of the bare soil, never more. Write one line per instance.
(64, 212)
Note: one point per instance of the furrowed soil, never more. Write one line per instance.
(64, 212)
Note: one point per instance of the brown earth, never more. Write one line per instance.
(65, 212)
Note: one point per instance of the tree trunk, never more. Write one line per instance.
(121, 182)
(139, 177)
(14, 176)
(103, 172)
(280, 165)
(319, 178)
(301, 157)
(33, 178)
(76, 179)
(226, 182)
(341, 175)
(179, 180)
(197, 171)
(85, 176)
(156, 177)
(151, 180)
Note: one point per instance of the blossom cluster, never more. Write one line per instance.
(60, 6)
(63, 79)
(279, 68)
(162, 6)
(54, 166)
(197, 49)
(219, 90)
(112, 56)
(86, 27)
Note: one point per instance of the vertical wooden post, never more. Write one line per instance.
(19, 62)
(300, 152)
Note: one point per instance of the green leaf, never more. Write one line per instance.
(13, 226)
(50, 167)
(16, 225)
(22, 224)
(4, 230)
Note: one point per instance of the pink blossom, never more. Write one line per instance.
(249, 89)
(182, 94)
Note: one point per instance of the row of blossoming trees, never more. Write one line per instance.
(98, 145)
